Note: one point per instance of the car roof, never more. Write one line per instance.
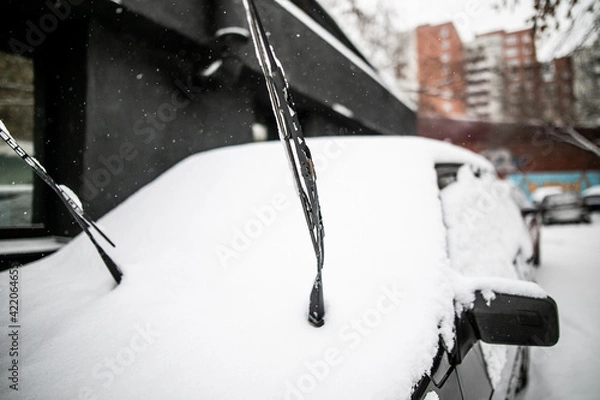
(592, 191)
(539, 194)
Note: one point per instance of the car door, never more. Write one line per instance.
(486, 237)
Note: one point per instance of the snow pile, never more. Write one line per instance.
(570, 272)
(218, 266)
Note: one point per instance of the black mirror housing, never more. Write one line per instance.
(529, 210)
(515, 320)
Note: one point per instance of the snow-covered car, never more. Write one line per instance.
(423, 255)
(567, 206)
(538, 195)
(591, 198)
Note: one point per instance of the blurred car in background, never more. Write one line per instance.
(538, 195)
(591, 198)
(531, 216)
(564, 207)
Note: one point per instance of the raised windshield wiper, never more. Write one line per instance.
(76, 211)
(301, 164)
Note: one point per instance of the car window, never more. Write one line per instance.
(561, 199)
(446, 174)
(485, 232)
(484, 227)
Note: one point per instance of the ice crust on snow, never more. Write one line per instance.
(217, 272)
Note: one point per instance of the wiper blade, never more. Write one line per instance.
(301, 164)
(82, 219)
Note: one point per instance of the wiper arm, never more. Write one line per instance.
(301, 164)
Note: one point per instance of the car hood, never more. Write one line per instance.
(218, 267)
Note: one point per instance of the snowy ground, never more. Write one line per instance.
(570, 272)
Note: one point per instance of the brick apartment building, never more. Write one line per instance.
(491, 95)
(484, 78)
(586, 69)
(502, 77)
(440, 72)
(557, 91)
(521, 69)
(495, 77)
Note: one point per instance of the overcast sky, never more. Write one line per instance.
(469, 16)
(472, 17)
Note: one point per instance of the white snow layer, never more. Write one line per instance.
(486, 235)
(592, 191)
(218, 267)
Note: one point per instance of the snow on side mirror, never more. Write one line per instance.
(515, 320)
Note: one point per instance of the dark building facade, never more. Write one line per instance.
(124, 90)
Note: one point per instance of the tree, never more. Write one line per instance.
(550, 15)
(370, 25)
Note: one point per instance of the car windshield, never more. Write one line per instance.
(561, 199)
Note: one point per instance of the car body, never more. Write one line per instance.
(538, 195)
(424, 251)
(532, 217)
(564, 207)
(591, 198)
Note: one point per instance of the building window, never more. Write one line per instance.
(445, 58)
(526, 38)
(445, 45)
(17, 111)
(510, 40)
(512, 52)
(444, 32)
(447, 106)
(513, 62)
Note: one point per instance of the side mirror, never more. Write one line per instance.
(515, 320)
(529, 210)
